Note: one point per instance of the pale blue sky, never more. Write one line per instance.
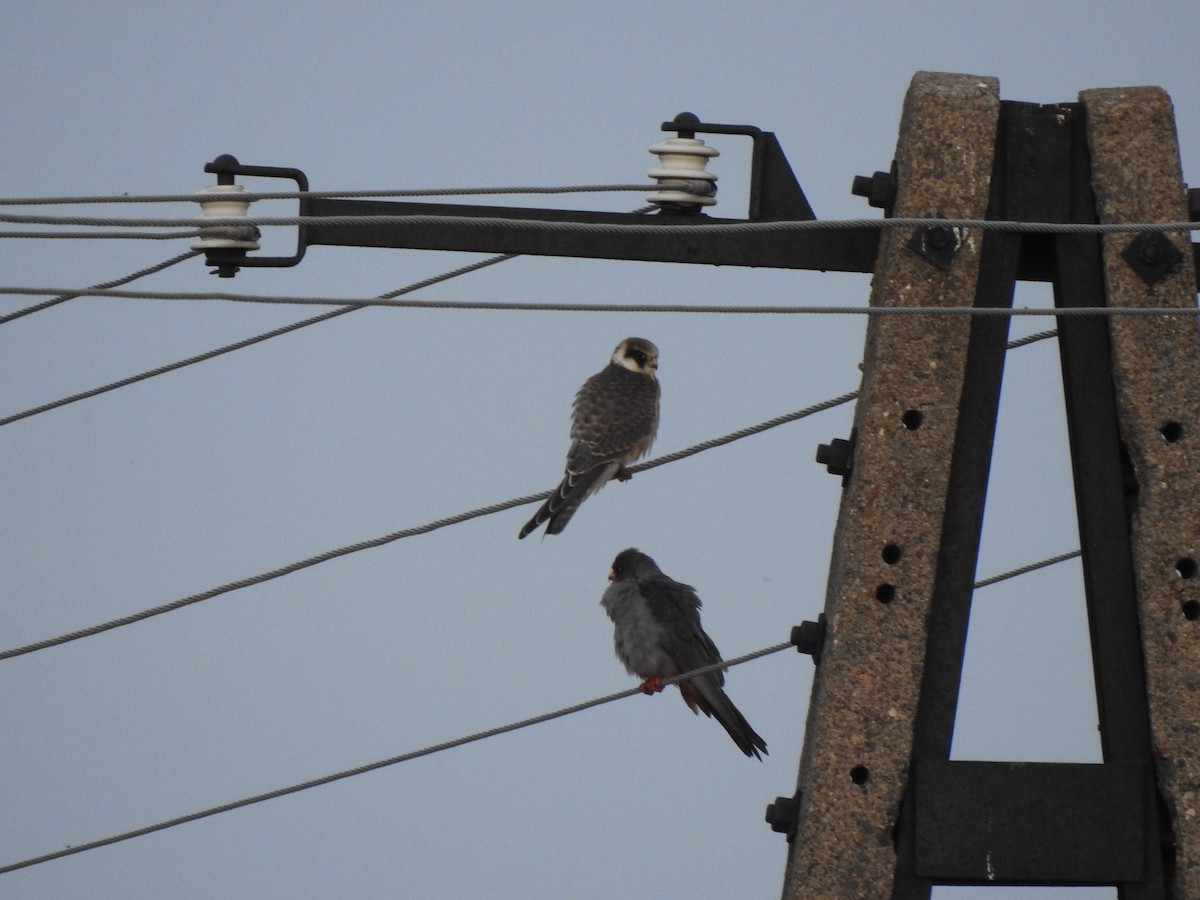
(386, 418)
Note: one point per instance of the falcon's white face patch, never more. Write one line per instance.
(626, 360)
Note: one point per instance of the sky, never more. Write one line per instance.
(385, 419)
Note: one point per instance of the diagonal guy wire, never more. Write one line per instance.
(250, 341)
(108, 284)
(383, 763)
(433, 526)
(451, 744)
(238, 345)
(397, 535)
(1032, 567)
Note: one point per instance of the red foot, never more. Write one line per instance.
(622, 474)
(651, 686)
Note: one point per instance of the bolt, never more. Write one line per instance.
(683, 124)
(939, 237)
(781, 815)
(861, 186)
(1151, 254)
(837, 456)
(809, 637)
(879, 189)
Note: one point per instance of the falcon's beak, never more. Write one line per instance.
(612, 576)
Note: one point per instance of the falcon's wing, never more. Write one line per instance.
(677, 607)
(614, 419)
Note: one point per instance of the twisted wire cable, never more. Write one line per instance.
(200, 196)
(432, 526)
(383, 763)
(398, 535)
(448, 745)
(1032, 567)
(541, 225)
(236, 345)
(389, 300)
(116, 282)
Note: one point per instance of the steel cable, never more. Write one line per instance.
(68, 295)
(383, 763)
(447, 745)
(398, 535)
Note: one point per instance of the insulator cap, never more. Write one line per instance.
(682, 166)
(225, 204)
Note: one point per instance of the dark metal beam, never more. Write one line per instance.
(841, 250)
(1029, 823)
(832, 251)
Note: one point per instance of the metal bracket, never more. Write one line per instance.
(1152, 255)
(774, 191)
(227, 262)
(936, 244)
(973, 822)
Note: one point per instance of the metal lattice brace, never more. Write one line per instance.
(859, 738)
(1136, 177)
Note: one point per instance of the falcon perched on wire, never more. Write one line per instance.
(657, 634)
(613, 423)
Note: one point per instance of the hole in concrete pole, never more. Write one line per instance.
(1191, 610)
(1186, 567)
(891, 554)
(1171, 432)
(885, 593)
(912, 419)
(860, 774)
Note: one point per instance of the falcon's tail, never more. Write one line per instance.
(567, 497)
(704, 695)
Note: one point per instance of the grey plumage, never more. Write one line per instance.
(656, 628)
(613, 423)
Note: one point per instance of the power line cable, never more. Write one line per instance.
(69, 295)
(246, 342)
(237, 345)
(200, 196)
(112, 235)
(1032, 338)
(383, 763)
(404, 533)
(448, 745)
(342, 310)
(1032, 567)
(433, 526)
(700, 227)
(689, 308)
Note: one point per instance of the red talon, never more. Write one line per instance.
(651, 685)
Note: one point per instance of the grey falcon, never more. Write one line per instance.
(613, 423)
(657, 634)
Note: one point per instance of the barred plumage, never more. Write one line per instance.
(613, 423)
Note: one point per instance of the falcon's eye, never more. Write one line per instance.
(637, 356)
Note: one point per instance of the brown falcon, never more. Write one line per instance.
(656, 628)
(613, 423)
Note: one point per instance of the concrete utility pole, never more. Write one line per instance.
(881, 809)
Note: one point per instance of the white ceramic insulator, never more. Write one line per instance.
(223, 205)
(682, 163)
